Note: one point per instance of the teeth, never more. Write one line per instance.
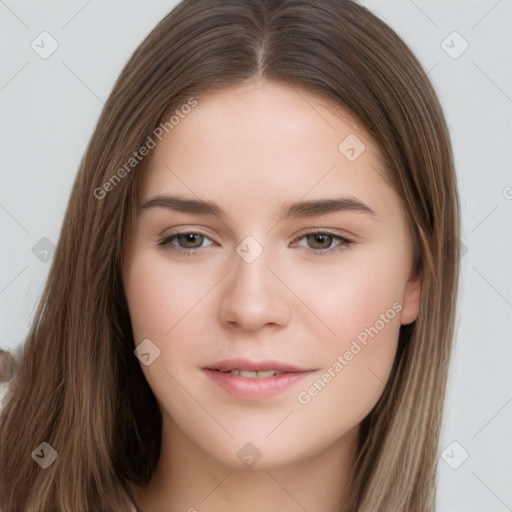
(255, 375)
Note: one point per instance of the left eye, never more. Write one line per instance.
(319, 240)
(324, 243)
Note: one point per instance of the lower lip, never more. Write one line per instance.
(254, 389)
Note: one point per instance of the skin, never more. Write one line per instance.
(6, 366)
(254, 149)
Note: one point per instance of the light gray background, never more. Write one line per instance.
(49, 108)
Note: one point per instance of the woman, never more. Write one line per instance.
(242, 141)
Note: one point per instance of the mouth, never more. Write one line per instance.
(254, 380)
(246, 374)
(254, 369)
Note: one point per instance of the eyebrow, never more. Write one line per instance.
(298, 209)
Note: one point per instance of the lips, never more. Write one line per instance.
(254, 380)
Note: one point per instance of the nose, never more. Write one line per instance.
(253, 297)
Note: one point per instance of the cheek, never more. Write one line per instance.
(360, 303)
(168, 305)
(353, 294)
(162, 299)
(160, 295)
(358, 359)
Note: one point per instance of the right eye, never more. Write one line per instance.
(186, 242)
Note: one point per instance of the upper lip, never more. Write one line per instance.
(254, 366)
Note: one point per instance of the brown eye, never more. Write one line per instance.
(190, 240)
(322, 243)
(319, 240)
(185, 242)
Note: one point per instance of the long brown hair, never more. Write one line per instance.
(79, 386)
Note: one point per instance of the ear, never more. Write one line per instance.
(411, 300)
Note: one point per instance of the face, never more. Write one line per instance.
(267, 239)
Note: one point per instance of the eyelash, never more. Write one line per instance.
(345, 243)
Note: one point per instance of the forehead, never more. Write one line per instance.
(252, 145)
